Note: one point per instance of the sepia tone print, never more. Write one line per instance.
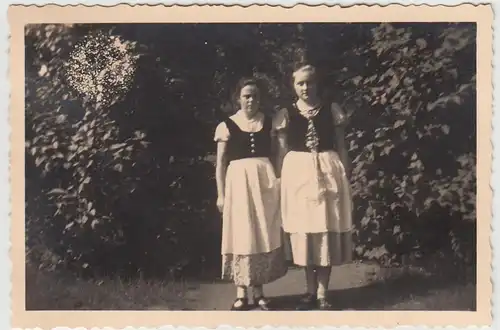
(206, 164)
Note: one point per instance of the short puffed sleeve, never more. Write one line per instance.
(221, 133)
(280, 120)
(339, 116)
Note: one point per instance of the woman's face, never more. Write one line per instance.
(249, 99)
(304, 84)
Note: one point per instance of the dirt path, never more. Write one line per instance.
(285, 291)
(357, 286)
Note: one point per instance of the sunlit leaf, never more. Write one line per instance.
(118, 167)
(416, 177)
(399, 123)
(56, 191)
(117, 146)
(446, 129)
(421, 43)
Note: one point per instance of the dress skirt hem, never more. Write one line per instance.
(319, 249)
(316, 208)
(254, 269)
(251, 247)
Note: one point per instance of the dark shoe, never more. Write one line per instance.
(308, 302)
(324, 305)
(240, 304)
(262, 303)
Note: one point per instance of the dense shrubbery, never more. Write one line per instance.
(414, 149)
(122, 182)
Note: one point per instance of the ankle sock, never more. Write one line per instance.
(321, 293)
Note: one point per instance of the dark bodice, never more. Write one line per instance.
(248, 145)
(297, 130)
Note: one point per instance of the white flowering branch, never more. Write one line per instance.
(101, 68)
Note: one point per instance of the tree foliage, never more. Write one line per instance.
(119, 124)
(413, 138)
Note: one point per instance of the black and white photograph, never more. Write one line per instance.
(251, 166)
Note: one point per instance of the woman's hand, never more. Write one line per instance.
(220, 203)
(348, 170)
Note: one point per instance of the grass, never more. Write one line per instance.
(414, 288)
(367, 287)
(458, 297)
(55, 291)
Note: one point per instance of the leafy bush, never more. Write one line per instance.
(94, 169)
(413, 139)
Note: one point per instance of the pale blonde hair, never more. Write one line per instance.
(305, 68)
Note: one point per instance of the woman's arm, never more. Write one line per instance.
(340, 121)
(220, 168)
(342, 148)
(280, 146)
(281, 150)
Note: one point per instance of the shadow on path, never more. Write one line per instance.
(352, 287)
(380, 295)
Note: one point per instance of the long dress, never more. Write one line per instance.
(252, 250)
(316, 202)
